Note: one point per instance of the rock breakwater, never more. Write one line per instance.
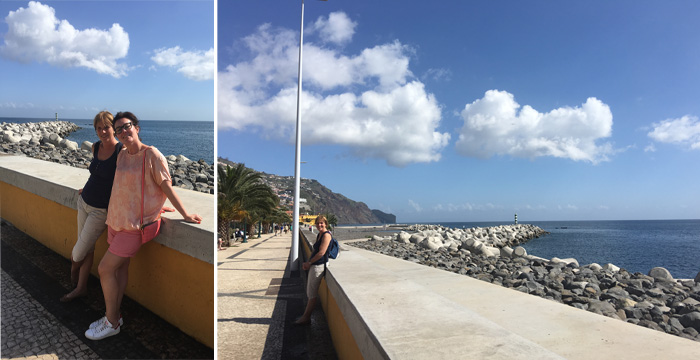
(46, 141)
(654, 300)
(490, 241)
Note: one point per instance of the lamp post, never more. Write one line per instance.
(294, 255)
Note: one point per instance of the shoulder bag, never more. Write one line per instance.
(150, 230)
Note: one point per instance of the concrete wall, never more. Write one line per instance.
(173, 275)
(381, 307)
(343, 340)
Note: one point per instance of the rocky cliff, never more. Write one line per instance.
(321, 200)
(384, 217)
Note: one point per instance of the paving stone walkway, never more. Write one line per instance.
(29, 331)
(35, 325)
(259, 298)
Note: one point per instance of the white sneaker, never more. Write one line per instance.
(102, 331)
(102, 319)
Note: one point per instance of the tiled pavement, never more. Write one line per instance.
(259, 298)
(35, 325)
(29, 331)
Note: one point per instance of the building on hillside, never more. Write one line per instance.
(307, 220)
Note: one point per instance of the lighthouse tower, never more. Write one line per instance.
(516, 218)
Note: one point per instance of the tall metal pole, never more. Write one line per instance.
(294, 255)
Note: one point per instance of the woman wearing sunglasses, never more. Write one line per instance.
(93, 200)
(141, 185)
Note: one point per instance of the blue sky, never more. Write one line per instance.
(472, 110)
(154, 58)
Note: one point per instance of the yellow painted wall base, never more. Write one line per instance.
(175, 286)
(343, 341)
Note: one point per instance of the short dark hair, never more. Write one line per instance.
(126, 115)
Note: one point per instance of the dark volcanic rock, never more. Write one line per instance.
(691, 320)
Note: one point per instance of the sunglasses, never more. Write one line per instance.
(119, 129)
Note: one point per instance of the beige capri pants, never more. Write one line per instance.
(91, 224)
(313, 280)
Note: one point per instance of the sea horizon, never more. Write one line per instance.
(634, 245)
(190, 138)
(41, 119)
(503, 222)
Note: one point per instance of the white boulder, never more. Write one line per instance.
(86, 145)
(660, 273)
(611, 267)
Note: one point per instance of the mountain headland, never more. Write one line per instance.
(318, 199)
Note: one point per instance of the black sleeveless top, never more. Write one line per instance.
(317, 248)
(98, 188)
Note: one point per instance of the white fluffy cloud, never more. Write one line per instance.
(368, 102)
(337, 28)
(35, 34)
(195, 65)
(684, 131)
(497, 125)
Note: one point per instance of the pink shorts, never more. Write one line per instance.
(126, 243)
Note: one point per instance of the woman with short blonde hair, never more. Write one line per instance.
(316, 266)
(93, 200)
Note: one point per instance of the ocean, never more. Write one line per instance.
(193, 139)
(635, 245)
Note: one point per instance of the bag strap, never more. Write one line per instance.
(325, 255)
(143, 185)
(328, 248)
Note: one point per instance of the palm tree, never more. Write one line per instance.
(332, 220)
(242, 196)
